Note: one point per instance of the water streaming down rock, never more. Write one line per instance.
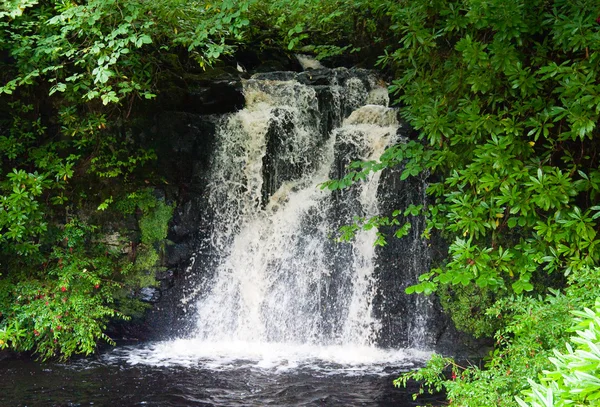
(412, 320)
(279, 276)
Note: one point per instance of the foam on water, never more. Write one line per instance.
(271, 357)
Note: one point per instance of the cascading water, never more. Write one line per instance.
(281, 288)
(281, 278)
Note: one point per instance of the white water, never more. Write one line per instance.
(271, 357)
(308, 62)
(284, 294)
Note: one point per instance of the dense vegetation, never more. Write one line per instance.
(504, 95)
(70, 77)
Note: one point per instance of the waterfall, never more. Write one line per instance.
(280, 277)
(267, 282)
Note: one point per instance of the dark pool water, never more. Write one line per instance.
(110, 379)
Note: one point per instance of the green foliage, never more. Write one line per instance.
(468, 305)
(63, 308)
(154, 226)
(503, 97)
(145, 260)
(322, 28)
(530, 332)
(348, 232)
(503, 94)
(71, 73)
(56, 287)
(154, 223)
(505, 116)
(98, 50)
(575, 378)
(14, 8)
(24, 193)
(143, 200)
(132, 307)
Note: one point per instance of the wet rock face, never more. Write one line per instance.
(185, 131)
(320, 77)
(399, 264)
(214, 97)
(276, 171)
(150, 294)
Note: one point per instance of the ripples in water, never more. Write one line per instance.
(192, 373)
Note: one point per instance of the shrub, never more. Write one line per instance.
(575, 378)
